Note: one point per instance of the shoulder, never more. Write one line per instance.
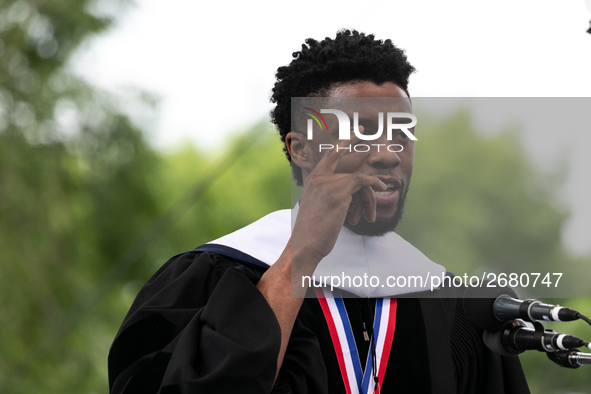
(201, 264)
(196, 302)
(192, 275)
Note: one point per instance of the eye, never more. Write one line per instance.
(402, 135)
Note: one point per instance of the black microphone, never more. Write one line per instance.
(514, 338)
(488, 307)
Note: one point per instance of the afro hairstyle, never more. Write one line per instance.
(320, 65)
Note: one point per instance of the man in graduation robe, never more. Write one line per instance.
(231, 316)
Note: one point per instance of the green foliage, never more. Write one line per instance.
(251, 179)
(477, 204)
(255, 185)
(70, 162)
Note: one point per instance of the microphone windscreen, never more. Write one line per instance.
(478, 305)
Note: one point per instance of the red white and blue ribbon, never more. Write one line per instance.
(356, 380)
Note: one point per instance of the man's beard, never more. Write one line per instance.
(379, 227)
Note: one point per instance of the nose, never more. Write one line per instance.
(384, 155)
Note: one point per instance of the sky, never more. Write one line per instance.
(211, 65)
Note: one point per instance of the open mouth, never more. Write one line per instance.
(390, 195)
(391, 189)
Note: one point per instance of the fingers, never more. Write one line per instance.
(355, 213)
(363, 198)
(369, 203)
(364, 202)
(356, 189)
(328, 163)
(357, 180)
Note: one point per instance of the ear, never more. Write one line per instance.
(299, 149)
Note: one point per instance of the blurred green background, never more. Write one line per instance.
(89, 210)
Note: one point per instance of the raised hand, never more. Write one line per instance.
(327, 199)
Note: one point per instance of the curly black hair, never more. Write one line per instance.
(320, 65)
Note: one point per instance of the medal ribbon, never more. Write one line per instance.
(341, 333)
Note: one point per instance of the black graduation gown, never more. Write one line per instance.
(200, 325)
